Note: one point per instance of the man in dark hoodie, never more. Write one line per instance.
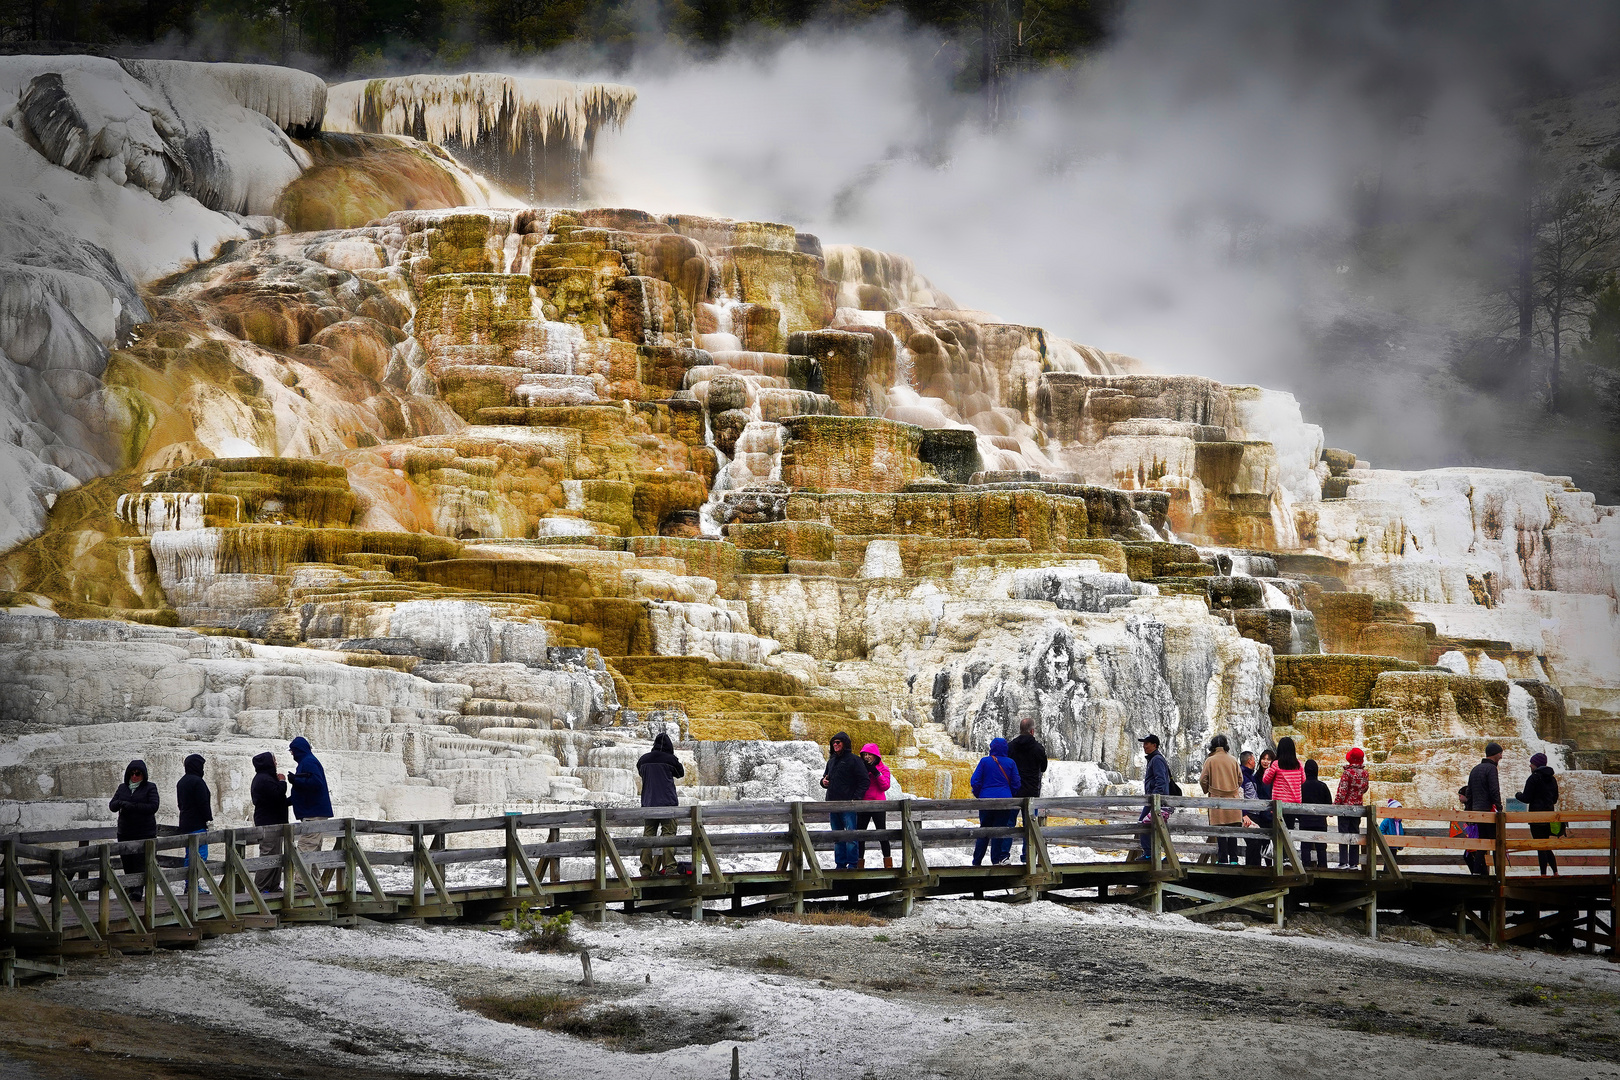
(136, 804)
(270, 803)
(1029, 755)
(659, 769)
(846, 780)
(196, 802)
(1484, 794)
(311, 801)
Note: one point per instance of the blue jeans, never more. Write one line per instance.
(202, 851)
(846, 853)
(1001, 847)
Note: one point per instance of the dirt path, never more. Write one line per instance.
(961, 991)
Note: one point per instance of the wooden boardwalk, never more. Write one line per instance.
(64, 893)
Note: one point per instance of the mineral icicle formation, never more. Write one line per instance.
(481, 499)
(532, 136)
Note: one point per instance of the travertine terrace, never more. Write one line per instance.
(480, 494)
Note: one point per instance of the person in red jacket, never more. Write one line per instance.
(876, 790)
(1352, 792)
(1286, 777)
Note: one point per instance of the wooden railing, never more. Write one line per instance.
(68, 889)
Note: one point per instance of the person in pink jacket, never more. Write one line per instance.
(873, 756)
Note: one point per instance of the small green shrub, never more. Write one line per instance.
(541, 933)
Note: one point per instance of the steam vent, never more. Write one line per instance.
(312, 428)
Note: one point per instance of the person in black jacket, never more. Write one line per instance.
(1484, 795)
(659, 769)
(846, 780)
(196, 802)
(1541, 794)
(1030, 757)
(136, 803)
(270, 802)
(1313, 791)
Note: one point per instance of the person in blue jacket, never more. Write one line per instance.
(1155, 779)
(995, 778)
(311, 801)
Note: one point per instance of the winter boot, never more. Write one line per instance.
(888, 862)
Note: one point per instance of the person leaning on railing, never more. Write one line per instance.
(659, 769)
(1540, 794)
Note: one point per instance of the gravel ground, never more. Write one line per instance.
(963, 989)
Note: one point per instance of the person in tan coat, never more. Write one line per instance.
(1221, 778)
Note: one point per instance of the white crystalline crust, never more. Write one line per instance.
(473, 107)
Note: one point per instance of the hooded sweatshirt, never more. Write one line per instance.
(310, 797)
(196, 802)
(1313, 791)
(846, 774)
(879, 773)
(1541, 790)
(659, 769)
(997, 774)
(269, 794)
(1030, 755)
(136, 807)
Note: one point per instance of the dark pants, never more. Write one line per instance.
(875, 819)
(846, 853)
(1313, 854)
(1542, 830)
(134, 864)
(1476, 859)
(1257, 847)
(1226, 849)
(1350, 854)
(1000, 848)
(269, 879)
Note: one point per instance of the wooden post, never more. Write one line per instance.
(289, 868)
(149, 893)
(697, 863)
(1155, 855)
(227, 877)
(350, 889)
(1372, 870)
(418, 873)
(8, 920)
(58, 885)
(1614, 882)
(796, 867)
(193, 874)
(104, 904)
(514, 852)
(1499, 906)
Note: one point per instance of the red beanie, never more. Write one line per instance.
(1355, 756)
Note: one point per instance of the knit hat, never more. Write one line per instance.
(1538, 760)
(1355, 756)
(1492, 749)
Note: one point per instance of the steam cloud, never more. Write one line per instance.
(1189, 196)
